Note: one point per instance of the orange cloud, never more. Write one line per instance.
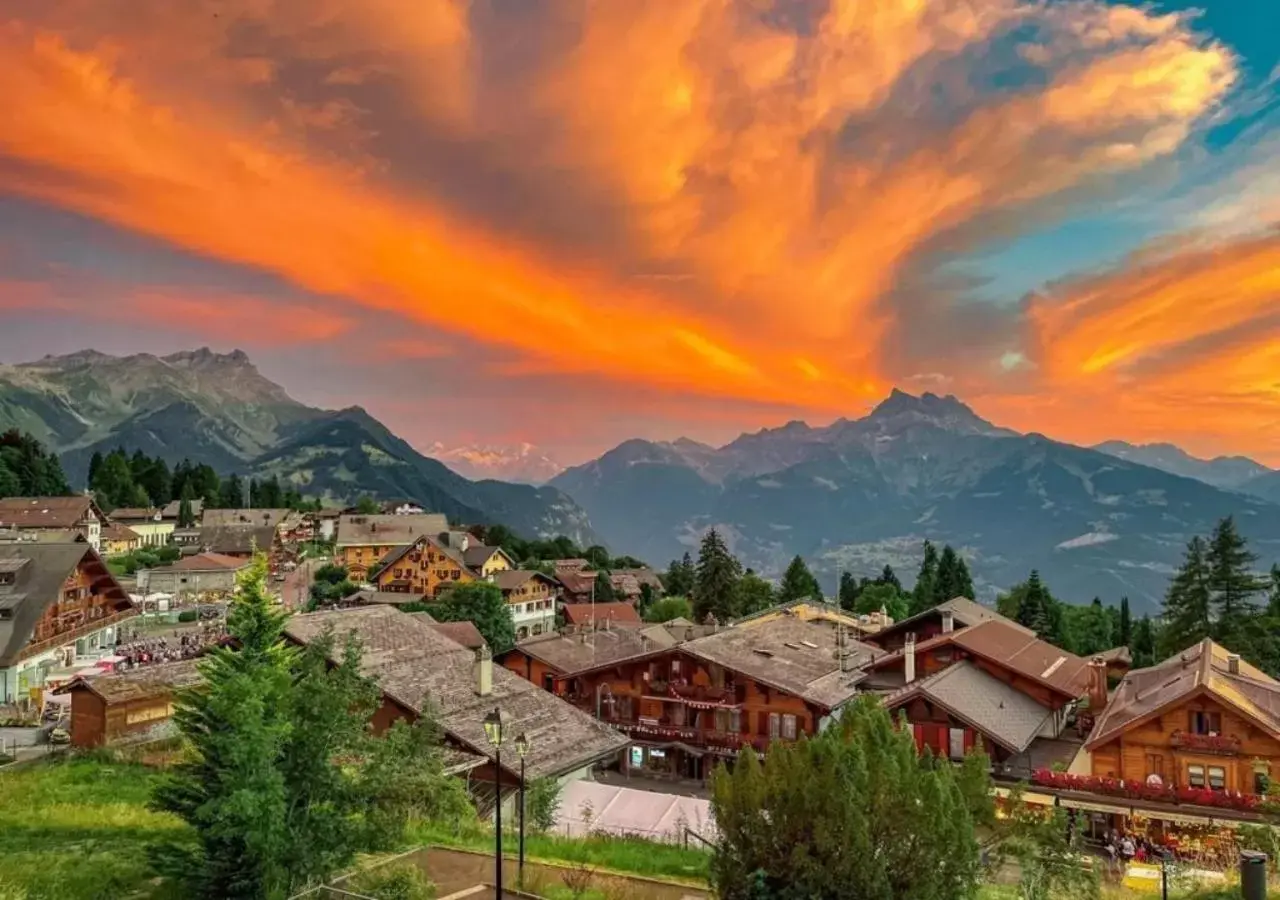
(781, 181)
(251, 320)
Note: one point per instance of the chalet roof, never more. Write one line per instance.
(135, 514)
(643, 575)
(965, 612)
(998, 710)
(259, 517)
(171, 509)
(464, 633)
(46, 512)
(1117, 656)
(390, 598)
(114, 531)
(237, 538)
(583, 651)
(510, 579)
(477, 554)
(426, 672)
(422, 542)
(576, 581)
(38, 584)
(205, 562)
(1206, 666)
(790, 653)
(388, 530)
(1015, 648)
(589, 614)
(140, 684)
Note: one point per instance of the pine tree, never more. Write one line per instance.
(1143, 648)
(964, 580)
(27, 469)
(888, 576)
(231, 496)
(953, 579)
(1187, 603)
(848, 589)
(924, 595)
(186, 515)
(680, 576)
(754, 594)
(602, 590)
(716, 580)
(95, 463)
(1095, 630)
(798, 583)
(1233, 587)
(1034, 609)
(1273, 597)
(1126, 624)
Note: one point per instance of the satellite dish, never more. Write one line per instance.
(1154, 780)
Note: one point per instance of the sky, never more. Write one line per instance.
(570, 222)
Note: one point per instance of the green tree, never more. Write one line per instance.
(716, 579)
(1187, 603)
(186, 514)
(268, 494)
(953, 579)
(33, 471)
(852, 812)
(848, 591)
(798, 583)
(602, 590)
(367, 506)
(680, 576)
(1048, 852)
(876, 597)
(1124, 634)
(1143, 647)
(95, 463)
(1093, 634)
(1273, 596)
(754, 594)
(157, 481)
(647, 596)
(888, 576)
(230, 789)
(114, 483)
(597, 556)
(232, 493)
(1035, 607)
(923, 596)
(482, 604)
(667, 608)
(1234, 587)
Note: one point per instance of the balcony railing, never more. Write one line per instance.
(73, 635)
(1139, 790)
(1219, 744)
(687, 734)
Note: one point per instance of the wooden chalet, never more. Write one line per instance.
(79, 513)
(128, 708)
(1204, 719)
(362, 542)
(425, 567)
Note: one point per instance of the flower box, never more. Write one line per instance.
(1140, 790)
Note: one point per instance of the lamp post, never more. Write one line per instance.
(522, 748)
(493, 731)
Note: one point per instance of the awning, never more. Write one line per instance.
(1029, 797)
(1097, 807)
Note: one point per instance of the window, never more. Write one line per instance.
(722, 720)
(1155, 765)
(1195, 776)
(537, 629)
(1202, 722)
(735, 721)
(788, 728)
(549, 683)
(955, 743)
(775, 725)
(1218, 778)
(1261, 782)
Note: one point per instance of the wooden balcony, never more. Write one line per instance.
(691, 735)
(74, 634)
(1216, 744)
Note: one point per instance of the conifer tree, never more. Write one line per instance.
(1143, 647)
(953, 578)
(888, 576)
(186, 514)
(923, 596)
(716, 579)
(679, 578)
(602, 591)
(848, 591)
(1125, 635)
(231, 495)
(95, 463)
(798, 583)
(1034, 609)
(1187, 603)
(1095, 630)
(1273, 597)
(1233, 587)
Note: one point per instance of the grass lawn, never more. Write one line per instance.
(77, 829)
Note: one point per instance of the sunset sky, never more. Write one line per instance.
(571, 222)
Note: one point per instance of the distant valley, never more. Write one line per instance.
(859, 493)
(218, 409)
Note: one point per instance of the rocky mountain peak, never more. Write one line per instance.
(900, 409)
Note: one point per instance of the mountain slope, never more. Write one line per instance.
(522, 463)
(859, 493)
(218, 409)
(1222, 471)
(1266, 486)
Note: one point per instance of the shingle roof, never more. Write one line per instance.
(1206, 666)
(623, 614)
(792, 654)
(964, 611)
(114, 531)
(44, 512)
(388, 530)
(477, 554)
(173, 507)
(573, 654)
(237, 538)
(135, 513)
(998, 710)
(641, 576)
(213, 518)
(205, 562)
(576, 581)
(394, 556)
(419, 668)
(140, 684)
(39, 583)
(390, 598)
(464, 633)
(510, 579)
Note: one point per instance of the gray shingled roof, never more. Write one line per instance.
(148, 681)
(572, 654)
(38, 584)
(259, 517)
(388, 530)
(423, 670)
(1000, 711)
(510, 579)
(45, 512)
(965, 612)
(790, 653)
(237, 538)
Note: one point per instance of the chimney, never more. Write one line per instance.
(1233, 663)
(948, 621)
(484, 671)
(464, 543)
(1097, 685)
(909, 659)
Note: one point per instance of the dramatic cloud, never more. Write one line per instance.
(711, 199)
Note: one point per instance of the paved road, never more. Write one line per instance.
(296, 586)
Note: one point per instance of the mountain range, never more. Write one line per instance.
(859, 493)
(523, 463)
(219, 409)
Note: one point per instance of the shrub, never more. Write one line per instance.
(542, 803)
(397, 881)
(188, 615)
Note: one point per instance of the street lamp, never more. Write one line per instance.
(522, 748)
(493, 731)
